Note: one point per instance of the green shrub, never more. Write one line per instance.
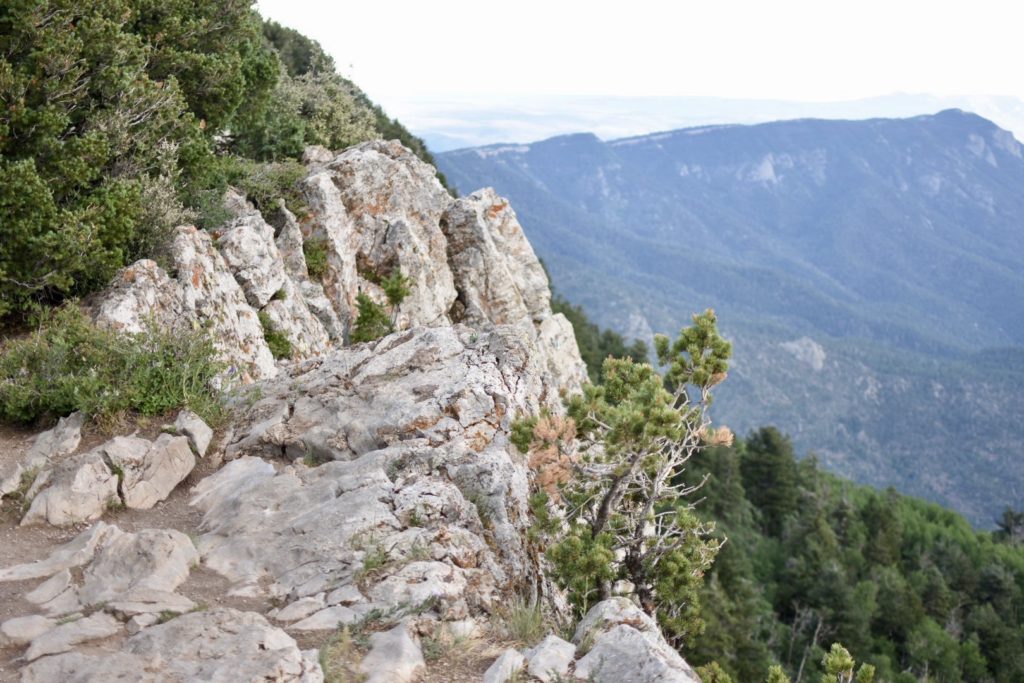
(279, 345)
(396, 288)
(266, 185)
(68, 364)
(315, 252)
(109, 109)
(372, 321)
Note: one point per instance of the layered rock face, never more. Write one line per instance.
(368, 484)
(374, 209)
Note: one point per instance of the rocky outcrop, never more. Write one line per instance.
(372, 486)
(500, 281)
(125, 471)
(375, 210)
(202, 294)
(419, 487)
(626, 646)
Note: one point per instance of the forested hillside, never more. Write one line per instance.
(812, 559)
(869, 272)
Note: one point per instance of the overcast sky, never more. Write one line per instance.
(778, 49)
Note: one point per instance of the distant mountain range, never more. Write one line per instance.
(454, 121)
(870, 272)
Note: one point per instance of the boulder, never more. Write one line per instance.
(23, 630)
(66, 636)
(626, 646)
(198, 432)
(76, 490)
(54, 443)
(549, 660)
(132, 566)
(77, 552)
(149, 470)
(247, 245)
(141, 292)
(394, 657)
(505, 667)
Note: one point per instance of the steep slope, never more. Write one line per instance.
(866, 270)
(372, 487)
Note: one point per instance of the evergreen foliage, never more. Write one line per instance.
(628, 516)
(908, 587)
(372, 321)
(124, 118)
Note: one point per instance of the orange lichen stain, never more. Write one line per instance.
(496, 209)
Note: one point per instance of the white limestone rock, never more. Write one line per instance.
(75, 490)
(130, 565)
(23, 630)
(505, 667)
(500, 281)
(218, 646)
(549, 660)
(150, 470)
(627, 647)
(377, 208)
(77, 552)
(66, 636)
(247, 245)
(394, 657)
(213, 297)
(198, 432)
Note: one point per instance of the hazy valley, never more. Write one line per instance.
(869, 272)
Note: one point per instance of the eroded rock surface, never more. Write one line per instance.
(627, 647)
(218, 645)
(376, 208)
(403, 488)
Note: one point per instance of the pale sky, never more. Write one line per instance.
(779, 49)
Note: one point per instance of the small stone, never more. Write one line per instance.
(22, 630)
(394, 657)
(141, 621)
(504, 667)
(550, 659)
(346, 595)
(198, 432)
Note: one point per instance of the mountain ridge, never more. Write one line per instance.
(891, 243)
